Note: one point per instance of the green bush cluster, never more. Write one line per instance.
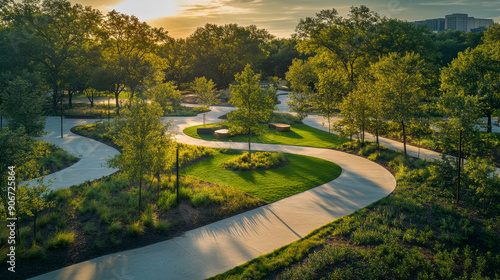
(259, 160)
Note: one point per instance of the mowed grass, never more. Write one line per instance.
(299, 135)
(301, 174)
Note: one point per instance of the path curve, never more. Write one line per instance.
(220, 246)
(92, 154)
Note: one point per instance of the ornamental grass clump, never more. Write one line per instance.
(259, 161)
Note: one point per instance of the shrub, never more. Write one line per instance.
(115, 227)
(260, 160)
(162, 226)
(89, 229)
(149, 218)
(135, 229)
(62, 239)
(36, 252)
(284, 118)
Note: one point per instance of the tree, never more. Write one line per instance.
(140, 132)
(253, 104)
(281, 53)
(355, 110)
(220, 52)
(348, 40)
(128, 48)
(331, 89)
(393, 35)
(33, 200)
(402, 79)
(206, 94)
(474, 73)
(483, 179)
(302, 78)
(166, 95)
(50, 33)
(22, 101)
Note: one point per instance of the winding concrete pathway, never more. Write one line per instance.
(218, 247)
(92, 154)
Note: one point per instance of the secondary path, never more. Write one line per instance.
(218, 247)
(92, 154)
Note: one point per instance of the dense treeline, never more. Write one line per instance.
(390, 77)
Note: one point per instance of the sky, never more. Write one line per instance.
(280, 17)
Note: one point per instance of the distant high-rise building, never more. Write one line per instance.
(436, 24)
(456, 21)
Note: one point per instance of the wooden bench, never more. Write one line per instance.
(280, 127)
(222, 133)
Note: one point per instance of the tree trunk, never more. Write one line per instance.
(404, 137)
(376, 136)
(140, 193)
(488, 126)
(158, 184)
(249, 148)
(70, 99)
(55, 95)
(34, 228)
(117, 93)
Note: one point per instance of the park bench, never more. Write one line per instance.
(280, 127)
(222, 133)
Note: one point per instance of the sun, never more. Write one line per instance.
(147, 9)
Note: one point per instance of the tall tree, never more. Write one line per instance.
(402, 79)
(331, 89)
(129, 44)
(205, 90)
(475, 73)
(220, 52)
(302, 77)
(347, 39)
(22, 101)
(140, 132)
(50, 33)
(253, 104)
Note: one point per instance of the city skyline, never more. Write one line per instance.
(182, 17)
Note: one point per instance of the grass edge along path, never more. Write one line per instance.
(301, 174)
(299, 135)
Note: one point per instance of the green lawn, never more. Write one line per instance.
(301, 174)
(299, 135)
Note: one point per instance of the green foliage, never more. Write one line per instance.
(135, 229)
(253, 104)
(218, 52)
(145, 140)
(205, 90)
(61, 239)
(302, 78)
(21, 102)
(284, 118)
(166, 95)
(260, 160)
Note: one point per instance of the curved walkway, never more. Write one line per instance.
(215, 248)
(92, 154)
